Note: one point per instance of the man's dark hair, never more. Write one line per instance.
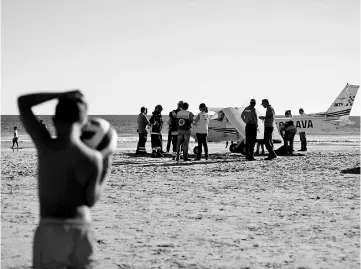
(185, 106)
(71, 110)
(143, 109)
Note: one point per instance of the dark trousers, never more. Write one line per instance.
(161, 142)
(303, 140)
(251, 137)
(169, 140)
(141, 143)
(288, 140)
(172, 140)
(156, 142)
(175, 142)
(202, 141)
(268, 141)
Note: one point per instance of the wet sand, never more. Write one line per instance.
(292, 212)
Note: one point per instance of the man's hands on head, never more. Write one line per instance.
(73, 94)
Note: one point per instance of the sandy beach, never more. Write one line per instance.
(292, 212)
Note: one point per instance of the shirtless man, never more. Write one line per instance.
(70, 181)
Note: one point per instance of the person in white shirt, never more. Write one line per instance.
(15, 139)
(201, 123)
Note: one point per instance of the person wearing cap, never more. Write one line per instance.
(143, 122)
(303, 134)
(249, 116)
(268, 128)
(156, 122)
(184, 124)
(173, 129)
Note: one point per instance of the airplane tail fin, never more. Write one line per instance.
(343, 103)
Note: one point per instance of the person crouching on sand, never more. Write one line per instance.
(156, 122)
(201, 127)
(70, 181)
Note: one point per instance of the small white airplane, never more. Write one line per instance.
(336, 116)
(226, 123)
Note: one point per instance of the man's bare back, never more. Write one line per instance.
(69, 182)
(64, 173)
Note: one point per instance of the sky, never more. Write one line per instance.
(126, 54)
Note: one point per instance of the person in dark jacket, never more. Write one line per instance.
(173, 130)
(143, 122)
(249, 116)
(156, 122)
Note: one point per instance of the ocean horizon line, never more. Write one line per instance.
(50, 115)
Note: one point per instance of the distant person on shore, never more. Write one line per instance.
(16, 139)
(70, 181)
(143, 122)
(156, 122)
(184, 124)
(303, 134)
(173, 129)
(201, 128)
(268, 128)
(249, 116)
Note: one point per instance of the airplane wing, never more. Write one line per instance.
(215, 109)
(234, 117)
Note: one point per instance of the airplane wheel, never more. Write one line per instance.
(232, 148)
(195, 150)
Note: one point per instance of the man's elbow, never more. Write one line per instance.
(23, 104)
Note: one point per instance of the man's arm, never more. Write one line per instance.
(269, 113)
(146, 120)
(196, 120)
(243, 115)
(191, 117)
(88, 173)
(29, 120)
(106, 168)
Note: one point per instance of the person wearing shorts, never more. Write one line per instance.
(70, 181)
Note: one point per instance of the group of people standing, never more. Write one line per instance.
(287, 130)
(249, 116)
(180, 123)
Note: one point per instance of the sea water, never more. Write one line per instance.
(126, 127)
